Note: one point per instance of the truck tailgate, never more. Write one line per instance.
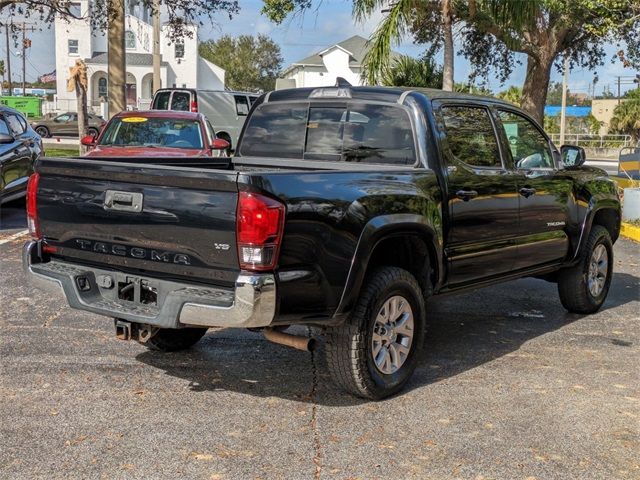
(164, 221)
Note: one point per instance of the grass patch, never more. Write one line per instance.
(60, 152)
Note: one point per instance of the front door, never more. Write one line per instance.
(545, 193)
(483, 203)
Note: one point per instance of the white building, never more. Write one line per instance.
(343, 59)
(181, 66)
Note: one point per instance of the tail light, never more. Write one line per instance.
(32, 206)
(260, 223)
(194, 106)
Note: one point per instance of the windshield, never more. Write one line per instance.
(153, 132)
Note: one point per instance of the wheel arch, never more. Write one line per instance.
(410, 239)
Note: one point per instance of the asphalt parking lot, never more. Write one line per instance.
(511, 387)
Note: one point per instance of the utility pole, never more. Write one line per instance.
(618, 89)
(156, 46)
(563, 111)
(117, 67)
(24, 62)
(9, 61)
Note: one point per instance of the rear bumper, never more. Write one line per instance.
(252, 303)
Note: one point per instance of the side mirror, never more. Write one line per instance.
(220, 144)
(6, 138)
(572, 156)
(88, 141)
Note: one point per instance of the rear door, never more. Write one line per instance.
(161, 100)
(481, 193)
(545, 192)
(181, 100)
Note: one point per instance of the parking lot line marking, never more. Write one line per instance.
(15, 236)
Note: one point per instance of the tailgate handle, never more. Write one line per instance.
(123, 201)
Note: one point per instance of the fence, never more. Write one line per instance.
(593, 141)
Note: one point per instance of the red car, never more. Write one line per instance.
(156, 134)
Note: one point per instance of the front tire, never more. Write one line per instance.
(373, 354)
(174, 339)
(583, 288)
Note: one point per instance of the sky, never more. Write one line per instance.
(317, 29)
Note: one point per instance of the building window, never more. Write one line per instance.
(179, 52)
(129, 40)
(73, 47)
(75, 9)
(102, 88)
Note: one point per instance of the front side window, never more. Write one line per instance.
(356, 133)
(153, 132)
(470, 136)
(528, 147)
(17, 127)
(73, 47)
(242, 105)
(129, 40)
(181, 101)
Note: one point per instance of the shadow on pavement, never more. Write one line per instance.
(462, 335)
(13, 215)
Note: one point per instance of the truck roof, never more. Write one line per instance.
(375, 93)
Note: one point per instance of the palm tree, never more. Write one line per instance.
(442, 15)
(397, 22)
(407, 71)
(626, 117)
(512, 94)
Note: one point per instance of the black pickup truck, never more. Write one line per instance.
(344, 208)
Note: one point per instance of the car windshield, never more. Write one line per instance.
(153, 132)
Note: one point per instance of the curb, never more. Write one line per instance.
(630, 231)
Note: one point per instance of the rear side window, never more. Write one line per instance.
(161, 102)
(242, 105)
(181, 101)
(471, 136)
(358, 133)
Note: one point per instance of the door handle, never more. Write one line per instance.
(526, 192)
(466, 195)
(123, 201)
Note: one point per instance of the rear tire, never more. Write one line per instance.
(93, 132)
(583, 288)
(43, 132)
(355, 351)
(174, 339)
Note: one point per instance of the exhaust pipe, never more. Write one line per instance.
(301, 343)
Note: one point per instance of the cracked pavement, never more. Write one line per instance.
(511, 386)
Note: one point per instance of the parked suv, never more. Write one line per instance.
(344, 208)
(225, 110)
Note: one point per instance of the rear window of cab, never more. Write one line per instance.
(378, 134)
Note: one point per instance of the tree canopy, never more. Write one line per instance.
(251, 63)
(180, 13)
(491, 32)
